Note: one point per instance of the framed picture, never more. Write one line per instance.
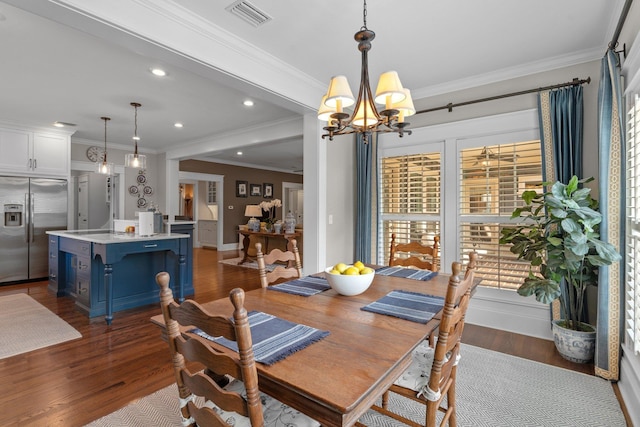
(241, 188)
(256, 190)
(267, 190)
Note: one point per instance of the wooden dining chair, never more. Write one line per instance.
(291, 266)
(414, 254)
(238, 403)
(431, 376)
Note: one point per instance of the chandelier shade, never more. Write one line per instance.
(135, 160)
(325, 112)
(405, 107)
(339, 94)
(389, 89)
(366, 118)
(104, 167)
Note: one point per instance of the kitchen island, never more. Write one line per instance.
(108, 271)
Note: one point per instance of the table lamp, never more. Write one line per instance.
(253, 211)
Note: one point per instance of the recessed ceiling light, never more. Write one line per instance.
(158, 72)
(239, 153)
(248, 103)
(178, 125)
(62, 124)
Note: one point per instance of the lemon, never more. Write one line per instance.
(359, 265)
(341, 267)
(351, 271)
(334, 271)
(366, 270)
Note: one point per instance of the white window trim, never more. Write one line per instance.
(493, 308)
(629, 383)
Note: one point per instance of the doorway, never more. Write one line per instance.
(292, 200)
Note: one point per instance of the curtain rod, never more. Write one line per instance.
(450, 106)
(623, 17)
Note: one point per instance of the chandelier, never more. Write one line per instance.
(366, 119)
(135, 160)
(103, 166)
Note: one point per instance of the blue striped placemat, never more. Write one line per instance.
(273, 338)
(407, 273)
(412, 306)
(305, 286)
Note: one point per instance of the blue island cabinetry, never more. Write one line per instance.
(108, 272)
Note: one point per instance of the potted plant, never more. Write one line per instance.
(559, 236)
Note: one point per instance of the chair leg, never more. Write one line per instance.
(451, 402)
(385, 400)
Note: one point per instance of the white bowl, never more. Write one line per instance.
(349, 285)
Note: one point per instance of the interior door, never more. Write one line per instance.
(83, 202)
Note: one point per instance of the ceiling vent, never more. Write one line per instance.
(248, 13)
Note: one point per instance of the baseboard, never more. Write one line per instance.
(508, 311)
(629, 384)
(230, 247)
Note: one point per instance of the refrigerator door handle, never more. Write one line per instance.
(27, 217)
(31, 218)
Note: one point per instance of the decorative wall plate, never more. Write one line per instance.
(142, 202)
(147, 190)
(133, 190)
(141, 179)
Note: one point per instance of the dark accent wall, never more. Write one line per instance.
(233, 217)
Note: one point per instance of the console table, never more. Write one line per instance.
(267, 236)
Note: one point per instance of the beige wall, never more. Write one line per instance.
(235, 216)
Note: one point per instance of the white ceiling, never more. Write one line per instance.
(59, 61)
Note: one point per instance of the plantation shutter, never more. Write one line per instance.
(410, 202)
(632, 256)
(493, 179)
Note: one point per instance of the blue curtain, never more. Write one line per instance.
(561, 112)
(611, 150)
(366, 155)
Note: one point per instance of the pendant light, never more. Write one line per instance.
(136, 160)
(103, 167)
(366, 118)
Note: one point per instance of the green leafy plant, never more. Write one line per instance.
(559, 235)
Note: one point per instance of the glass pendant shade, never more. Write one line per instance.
(358, 118)
(102, 166)
(135, 160)
(389, 90)
(405, 107)
(339, 94)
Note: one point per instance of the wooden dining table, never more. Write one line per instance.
(337, 379)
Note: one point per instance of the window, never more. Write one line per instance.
(460, 181)
(492, 179)
(410, 199)
(632, 256)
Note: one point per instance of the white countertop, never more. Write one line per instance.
(178, 222)
(107, 236)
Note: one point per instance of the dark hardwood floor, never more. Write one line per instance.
(74, 383)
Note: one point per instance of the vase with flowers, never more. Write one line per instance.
(270, 208)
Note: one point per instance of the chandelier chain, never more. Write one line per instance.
(364, 16)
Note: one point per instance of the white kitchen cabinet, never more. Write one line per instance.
(208, 232)
(24, 152)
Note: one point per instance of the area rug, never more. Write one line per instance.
(249, 264)
(27, 325)
(493, 389)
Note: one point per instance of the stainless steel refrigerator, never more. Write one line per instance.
(30, 207)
